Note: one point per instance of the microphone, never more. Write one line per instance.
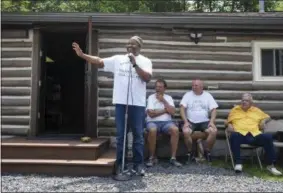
(130, 56)
(132, 59)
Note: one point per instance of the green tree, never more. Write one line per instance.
(138, 6)
(279, 6)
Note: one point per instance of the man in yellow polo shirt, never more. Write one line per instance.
(244, 122)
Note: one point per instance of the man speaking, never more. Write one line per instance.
(131, 73)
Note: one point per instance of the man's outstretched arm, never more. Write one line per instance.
(90, 59)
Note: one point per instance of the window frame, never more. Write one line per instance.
(256, 49)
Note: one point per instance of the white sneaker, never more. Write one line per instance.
(273, 170)
(238, 168)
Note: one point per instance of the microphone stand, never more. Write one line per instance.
(123, 175)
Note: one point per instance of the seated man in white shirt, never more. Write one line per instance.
(195, 107)
(160, 107)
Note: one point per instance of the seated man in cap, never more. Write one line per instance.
(243, 123)
(160, 108)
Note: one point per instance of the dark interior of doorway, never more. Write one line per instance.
(62, 94)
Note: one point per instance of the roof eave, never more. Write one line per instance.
(187, 21)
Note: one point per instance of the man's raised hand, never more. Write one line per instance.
(77, 49)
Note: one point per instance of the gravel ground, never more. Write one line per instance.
(161, 178)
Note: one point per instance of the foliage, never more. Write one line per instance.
(138, 6)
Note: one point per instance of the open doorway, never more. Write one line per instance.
(62, 84)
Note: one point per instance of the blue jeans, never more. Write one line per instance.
(136, 116)
(265, 140)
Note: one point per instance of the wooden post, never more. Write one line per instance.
(92, 94)
(35, 86)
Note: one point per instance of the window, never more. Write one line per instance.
(268, 61)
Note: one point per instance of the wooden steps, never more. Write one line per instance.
(57, 157)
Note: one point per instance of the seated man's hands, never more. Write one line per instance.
(160, 97)
(167, 110)
(212, 126)
(263, 123)
(230, 128)
(187, 127)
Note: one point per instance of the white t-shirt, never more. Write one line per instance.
(120, 65)
(154, 104)
(198, 106)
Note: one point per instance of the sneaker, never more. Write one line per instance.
(238, 168)
(273, 170)
(174, 162)
(151, 162)
(121, 175)
(118, 169)
(191, 158)
(138, 170)
(207, 156)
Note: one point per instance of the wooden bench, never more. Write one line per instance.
(163, 148)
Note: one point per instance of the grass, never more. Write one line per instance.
(252, 170)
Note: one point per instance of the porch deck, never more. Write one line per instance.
(57, 156)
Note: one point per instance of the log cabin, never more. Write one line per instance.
(47, 92)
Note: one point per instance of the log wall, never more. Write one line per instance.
(16, 78)
(224, 63)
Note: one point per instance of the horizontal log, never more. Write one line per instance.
(15, 110)
(21, 62)
(180, 43)
(162, 36)
(16, 72)
(15, 120)
(107, 131)
(21, 44)
(217, 94)
(104, 102)
(15, 54)
(254, 37)
(223, 104)
(18, 82)
(194, 56)
(15, 91)
(191, 74)
(209, 85)
(195, 47)
(179, 37)
(15, 101)
(208, 75)
(201, 66)
(114, 50)
(221, 113)
(15, 129)
(14, 33)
